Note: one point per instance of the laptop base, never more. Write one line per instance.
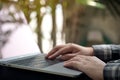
(9, 73)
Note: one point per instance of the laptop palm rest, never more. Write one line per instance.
(60, 69)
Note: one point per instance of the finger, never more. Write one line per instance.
(61, 51)
(77, 58)
(54, 50)
(57, 48)
(78, 63)
(72, 64)
(68, 56)
(82, 59)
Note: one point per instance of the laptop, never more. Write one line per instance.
(21, 52)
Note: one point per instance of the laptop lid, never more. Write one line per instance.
(16, 38)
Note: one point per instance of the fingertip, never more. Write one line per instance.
(46, 56)
(66, 63)
(51, 57)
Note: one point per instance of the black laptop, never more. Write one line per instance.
(22, 58)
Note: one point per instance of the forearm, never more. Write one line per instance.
(107, 52)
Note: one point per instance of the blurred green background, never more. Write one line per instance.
(53, 22)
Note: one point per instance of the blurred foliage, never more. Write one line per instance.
(28, 6)
(91, 3)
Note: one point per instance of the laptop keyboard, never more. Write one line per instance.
(38, 61)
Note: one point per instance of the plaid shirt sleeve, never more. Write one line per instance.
(108, 53)
(112, 70)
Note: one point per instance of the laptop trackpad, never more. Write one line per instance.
(60, 69)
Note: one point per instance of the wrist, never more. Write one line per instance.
(91, 51)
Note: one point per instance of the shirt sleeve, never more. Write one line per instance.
(107, 52)
(112, 70)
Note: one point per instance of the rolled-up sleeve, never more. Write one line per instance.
(107, 52)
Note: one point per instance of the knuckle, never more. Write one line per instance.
(57, 47)
(73, 62)
(70, 44)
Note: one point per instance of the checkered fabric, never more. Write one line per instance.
(111, 55)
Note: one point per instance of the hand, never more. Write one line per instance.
(90, 65)
(68, 51)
